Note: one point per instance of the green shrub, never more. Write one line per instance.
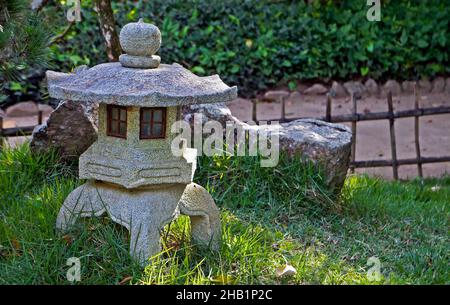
(255, 44)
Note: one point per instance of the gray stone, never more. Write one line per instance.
(70, 130)
(356, 88)
(408, 86)
(22, 109)
(168, 85)
(216, 112)
(144, 212)
(46, 109)
(316, 89)
(140, 39)
(372, 87)
(391, 86)
(337, 90)
(131, 61)
(425, 86)
(294, 97)
(323, 143)
(438, 85)
(276, 95)
(320, 142)
(447, 85)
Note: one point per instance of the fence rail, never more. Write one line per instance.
(18, 131)
(390, 115)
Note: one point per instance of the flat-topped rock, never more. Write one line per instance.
(167, 85)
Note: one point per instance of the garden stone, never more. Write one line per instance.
(372, 87)
(408, 86)
(438, 85)
(425, 86)
(216, 112)
(276, 96)
(294, 97)
(391, 86)
(322, 143)
(131, 170)
(140, 41)
(70, 130)
(46, 109)
(355, 88)
(337, 90)
(316, 89)
(22, 109)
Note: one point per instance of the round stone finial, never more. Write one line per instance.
(140, 41)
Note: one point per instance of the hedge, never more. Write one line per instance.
(256, 44)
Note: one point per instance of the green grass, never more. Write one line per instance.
(270, 216)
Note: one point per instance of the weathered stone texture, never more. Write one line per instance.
(70, 129)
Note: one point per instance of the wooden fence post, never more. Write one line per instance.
(328, 109)
(40, 117)
(354, 120)
(416, 129)
(392, 132)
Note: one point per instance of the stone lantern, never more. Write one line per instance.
(130, 170)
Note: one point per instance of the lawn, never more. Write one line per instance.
(270, 217)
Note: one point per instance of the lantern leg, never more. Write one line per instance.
(198, 204)
(144, 242)
(84, 201)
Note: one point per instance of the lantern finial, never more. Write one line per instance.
(140, 41)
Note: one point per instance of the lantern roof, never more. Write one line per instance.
(139, 79)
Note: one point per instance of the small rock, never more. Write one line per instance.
(276, 96)
(435, 188)
(356, 88)
(22, 109)
(372, 87)
(391, 86)
(408, 86)
(301, 87)
(46, 109)
(294, 97)
(425, 86)
(316, 89)
(438, 85)
(285, 271)
(337, 90)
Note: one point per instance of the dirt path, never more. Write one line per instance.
(373, 141)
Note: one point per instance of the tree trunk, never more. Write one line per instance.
(107, 25)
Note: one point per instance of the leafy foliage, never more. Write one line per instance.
(23, 42)
(255, 44)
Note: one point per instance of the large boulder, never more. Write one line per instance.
(322, 143)
(70, 130)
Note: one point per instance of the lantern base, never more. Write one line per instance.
(144, 212)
